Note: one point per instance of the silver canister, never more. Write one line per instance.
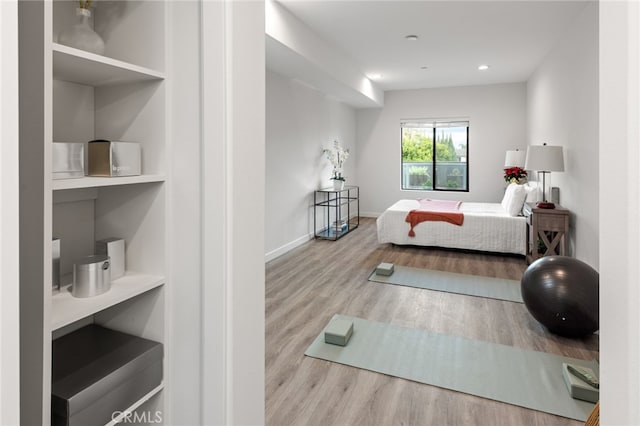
(68, 160)
(91, 276)
(55, 267)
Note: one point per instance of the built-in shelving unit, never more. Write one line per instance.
(96, 182)
(67, 309)
(70, 64)
(121, 96)
(154, 417)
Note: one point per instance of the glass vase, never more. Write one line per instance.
(81, 36)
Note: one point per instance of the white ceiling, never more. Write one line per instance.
(512, 37)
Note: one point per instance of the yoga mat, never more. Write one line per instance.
(471, 285)
(503, 373)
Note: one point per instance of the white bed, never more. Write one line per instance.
(486, 227)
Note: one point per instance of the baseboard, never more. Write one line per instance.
(287, 247)
(370, 214)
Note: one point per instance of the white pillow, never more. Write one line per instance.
(508, 195)
(532, 192)
(516, 201)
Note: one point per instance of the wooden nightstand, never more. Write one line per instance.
(551, 226)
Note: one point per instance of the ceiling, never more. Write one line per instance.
(454, 37)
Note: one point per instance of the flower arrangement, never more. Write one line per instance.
(84, 4)
(337, 155)
(514, 174)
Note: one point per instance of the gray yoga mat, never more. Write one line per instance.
(471, 285)
(503, 373)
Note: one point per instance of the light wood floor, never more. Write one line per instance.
(307, 286)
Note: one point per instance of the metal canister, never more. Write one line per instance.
(91, 276)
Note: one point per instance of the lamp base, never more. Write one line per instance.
(545, 205)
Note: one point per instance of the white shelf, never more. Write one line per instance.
(95, 182)
(78, 66)
(135, 406)
(67, 309)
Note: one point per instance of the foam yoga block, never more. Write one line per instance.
(384, 269)
(338, 332)
(578, 388)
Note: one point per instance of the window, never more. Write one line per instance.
(448, 169)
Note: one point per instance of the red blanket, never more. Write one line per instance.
(435, 210)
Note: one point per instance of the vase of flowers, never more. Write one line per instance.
(337, 155)
(515, 175)
(338, 185)
(80, 35)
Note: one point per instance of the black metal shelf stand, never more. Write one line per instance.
(334, 203)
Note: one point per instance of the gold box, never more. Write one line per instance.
(111, 158)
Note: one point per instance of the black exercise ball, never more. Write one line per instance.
(562, 294)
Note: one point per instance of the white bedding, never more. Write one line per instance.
(486, 227)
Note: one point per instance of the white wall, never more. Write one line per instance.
(562, 107)
(296, 51)
(619, 205)
(497, 123)
(9, 201)
(300, 122)
(185, 318)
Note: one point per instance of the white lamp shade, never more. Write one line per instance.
(544, 158)
(515, 158)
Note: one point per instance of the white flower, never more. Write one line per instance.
(337, 155)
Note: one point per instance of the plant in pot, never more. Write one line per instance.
(337, 155)
(515, 175)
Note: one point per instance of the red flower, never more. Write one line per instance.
(516, 173)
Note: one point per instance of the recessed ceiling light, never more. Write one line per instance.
(411, 37)
(374, 76)
(483, 67)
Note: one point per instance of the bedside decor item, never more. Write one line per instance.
(80, 35)
(111, 158)
(562, 294)
(545, 159)
(114, 248)
(337, 155)
(91, 276)
(513, 163)
(515, 175)
(68, 160)
(515, 158)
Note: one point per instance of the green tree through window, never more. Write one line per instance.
(450, 163)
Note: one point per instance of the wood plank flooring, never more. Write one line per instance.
(307, 286)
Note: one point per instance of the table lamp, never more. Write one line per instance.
(544, 159)
(515, 158)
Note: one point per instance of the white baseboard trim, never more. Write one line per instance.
(370, 214)
(287, 247)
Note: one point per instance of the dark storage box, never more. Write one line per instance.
(97, 371)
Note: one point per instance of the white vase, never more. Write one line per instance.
(338, 185)
(81, 36)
